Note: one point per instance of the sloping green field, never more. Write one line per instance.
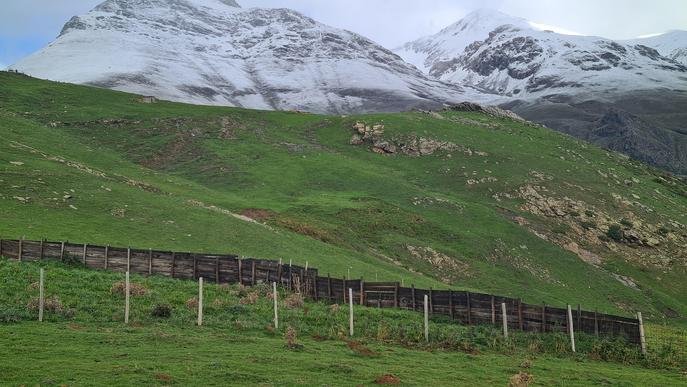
(84, 342)
(498, 206)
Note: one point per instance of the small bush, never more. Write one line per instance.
(192, 303)
(615, 232)
(162, 311)
(250, 298)
(12, 315)
(136, 290)
(294, 301)
(291, 337)
(52, 304)
(521, 379)
(588, 225)
(628, 224)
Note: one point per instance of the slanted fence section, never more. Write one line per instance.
(464, 307)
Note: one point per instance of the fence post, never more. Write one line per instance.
(42, 249)
(275, 295)
(107, 257)
(126, 298)
(21, 246)
(83, 257)
(469, 308)
(128, 259)
(200, 301)
(62, 251)
(41, 295)
(596, 322)
(543, 318)
(504, 318)
(362, 291)
(426, 306)
(350, 303)
(1, 247)
(642, 338)
(571, 329)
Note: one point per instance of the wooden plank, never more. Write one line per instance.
(450, 304)
(195, 266)
(252, 273)
(469, 307)
(596, 322)
(493, 311)
(362, 292)
(579, 317)
(431, 301)
(412, 291)
(174, 263)
(107, 256)
(329, 287)
(216, 269)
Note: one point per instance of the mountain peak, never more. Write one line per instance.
(485, 19)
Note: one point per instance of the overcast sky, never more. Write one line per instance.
(27, 25)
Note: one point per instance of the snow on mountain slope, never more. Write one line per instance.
(672, 44)
(510, 56)
(214, 52)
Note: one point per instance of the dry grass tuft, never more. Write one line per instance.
(52, 304)
(136, 290)
(250, 299)
(360, 349)
(192, 303)
(521, 379)
(294, 301)
(388, 379)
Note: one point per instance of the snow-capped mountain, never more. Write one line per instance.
(672, 44)
(215, 52)
(513, 57)
(571, 83)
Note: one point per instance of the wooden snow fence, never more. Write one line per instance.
(464, 307)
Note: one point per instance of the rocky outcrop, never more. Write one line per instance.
(409, 145)
(492, 111)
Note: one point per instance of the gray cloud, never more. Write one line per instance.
(26, 25)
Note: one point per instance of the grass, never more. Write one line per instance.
(90, 165)
(86, 342)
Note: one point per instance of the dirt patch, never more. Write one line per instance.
(307, 230)
(257, 213)
(360, 349)
(388, 379)
(163, 377)
(74, 327)
(449, 267)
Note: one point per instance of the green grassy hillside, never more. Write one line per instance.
(83, 341)
(464, 200)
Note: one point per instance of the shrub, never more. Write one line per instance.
(291, 337)
(136, 290)
(250, 299)
(588, 225)
(192, 303)
(627, 223)
(162, 311)
(615, 232)
(52, 304)
(521, 379)
(12, 315)
(294, 301)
